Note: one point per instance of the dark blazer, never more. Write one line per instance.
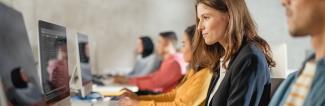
(246, 83)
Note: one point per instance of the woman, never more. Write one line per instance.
(147, 61)
(191, 91)
(240, 59)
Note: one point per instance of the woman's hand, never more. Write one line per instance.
(128, 98)
(130, 94)
(126, 101)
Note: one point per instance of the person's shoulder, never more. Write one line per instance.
(249, 51)
(177, 57)
(205, 72)
(145, 59)
(200, 71)
(151, 56)
(249, 55)
(56, 62)
(53, 61)
(293, 75)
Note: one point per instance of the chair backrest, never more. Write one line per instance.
(280, 58)
(275, 83)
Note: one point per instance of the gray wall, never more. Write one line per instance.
(115, 24)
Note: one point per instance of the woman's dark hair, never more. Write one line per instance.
(190, 31)
(16, 78)
(148, 46)
(82, 52)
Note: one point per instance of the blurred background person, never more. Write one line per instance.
(305, 87)
(169, 73)
(191, 92)
(146, 61)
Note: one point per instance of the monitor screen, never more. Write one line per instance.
(54, 61)
(84, 54)
(17, 65)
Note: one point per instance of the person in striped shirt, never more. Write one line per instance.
(306, 86)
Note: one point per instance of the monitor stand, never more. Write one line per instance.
(76, 85)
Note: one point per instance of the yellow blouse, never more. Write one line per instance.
(191, 92)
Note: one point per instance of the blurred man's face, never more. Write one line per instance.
(303, 15)
(162, 44)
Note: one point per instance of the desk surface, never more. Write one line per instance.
(110, 89)
(114, 89)
(105, 102)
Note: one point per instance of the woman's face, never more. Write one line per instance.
(212, 24)
(139, 46)
(187, 53)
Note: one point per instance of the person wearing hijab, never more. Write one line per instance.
(146, 61)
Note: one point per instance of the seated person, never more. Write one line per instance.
(58, 67)
(191, 92)
(172, 66)
(23, 92)
(305, 87)
(146, 62)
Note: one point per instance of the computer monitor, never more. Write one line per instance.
(81, 80)
(54, 63)
(16, 55)
(3, 99)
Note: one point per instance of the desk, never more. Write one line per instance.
(114, 89)
(107, 91)
(105, 102)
